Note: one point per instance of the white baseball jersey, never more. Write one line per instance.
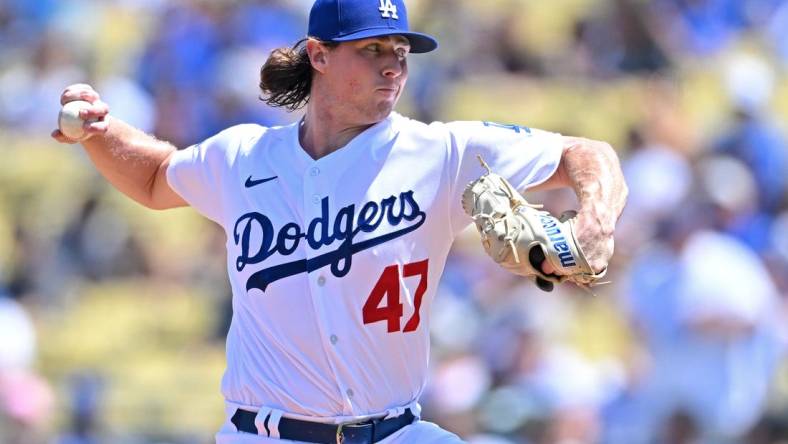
(334, 262)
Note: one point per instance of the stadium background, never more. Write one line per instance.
(112, 317)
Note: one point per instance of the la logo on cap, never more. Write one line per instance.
(388, 9)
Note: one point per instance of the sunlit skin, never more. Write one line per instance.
(354, 86)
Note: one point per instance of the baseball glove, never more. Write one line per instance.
(520, 236)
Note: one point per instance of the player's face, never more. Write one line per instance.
(366, 77)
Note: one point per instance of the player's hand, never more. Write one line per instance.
(596, 242)
(98, 110)
(597, 247)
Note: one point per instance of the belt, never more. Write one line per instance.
(370, 431)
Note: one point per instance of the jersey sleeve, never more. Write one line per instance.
(200, 172)
(524, 156)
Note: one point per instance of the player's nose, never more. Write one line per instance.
(393, 66)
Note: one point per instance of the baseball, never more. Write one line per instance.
(69, 122)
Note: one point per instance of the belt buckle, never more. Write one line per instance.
(353, 440)
(340, 436)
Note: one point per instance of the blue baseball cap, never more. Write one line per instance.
(344, 20)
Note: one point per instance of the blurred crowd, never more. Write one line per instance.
(686, 345)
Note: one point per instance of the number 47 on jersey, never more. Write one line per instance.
(388, 286)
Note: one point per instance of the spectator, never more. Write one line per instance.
(713, 352)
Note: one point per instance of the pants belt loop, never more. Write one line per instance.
(340, 436)
(415, 408)
(261, 419)
(394, 413)
(273, 423)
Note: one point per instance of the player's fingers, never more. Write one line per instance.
(538, 259)
(57, 135)
(79, 91)
(547, 268)
(99, 127)
(97, 110)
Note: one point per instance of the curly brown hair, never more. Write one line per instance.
(286, 77)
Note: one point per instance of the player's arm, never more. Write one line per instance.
(131, 160)
(592, 169)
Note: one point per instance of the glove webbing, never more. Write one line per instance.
(514, 203)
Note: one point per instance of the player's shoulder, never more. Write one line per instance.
(404, 123)
(452, 129)
(450, 136)
(465, 130)
(418, 129)
(246, 137)
(242, 134)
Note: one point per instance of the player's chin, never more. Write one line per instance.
(384, 107)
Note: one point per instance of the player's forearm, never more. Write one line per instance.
(129, 159)
(593, 171)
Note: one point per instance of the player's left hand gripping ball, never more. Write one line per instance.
(520, 237)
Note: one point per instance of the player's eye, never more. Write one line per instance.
(373, 47)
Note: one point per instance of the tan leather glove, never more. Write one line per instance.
(519, 236)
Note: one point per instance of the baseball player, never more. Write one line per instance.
(338, 226)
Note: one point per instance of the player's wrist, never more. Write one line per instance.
(595, 216)
(595, 236)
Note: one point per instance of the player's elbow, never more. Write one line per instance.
(163, 197)
(597, 151)
(158, 194)
(588, 147)
(160, 203)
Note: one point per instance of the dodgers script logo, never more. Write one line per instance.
(320, 232)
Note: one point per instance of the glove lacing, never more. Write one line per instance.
(514, 203)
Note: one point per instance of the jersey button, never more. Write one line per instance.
(334, 339)
(321, 281)
(315, 171)
(349, 393)
(315, 199)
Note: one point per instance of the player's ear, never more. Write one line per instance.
(318, 54)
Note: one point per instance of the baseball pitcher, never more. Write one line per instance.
(338, 226)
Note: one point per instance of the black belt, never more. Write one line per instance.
(370, 431)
